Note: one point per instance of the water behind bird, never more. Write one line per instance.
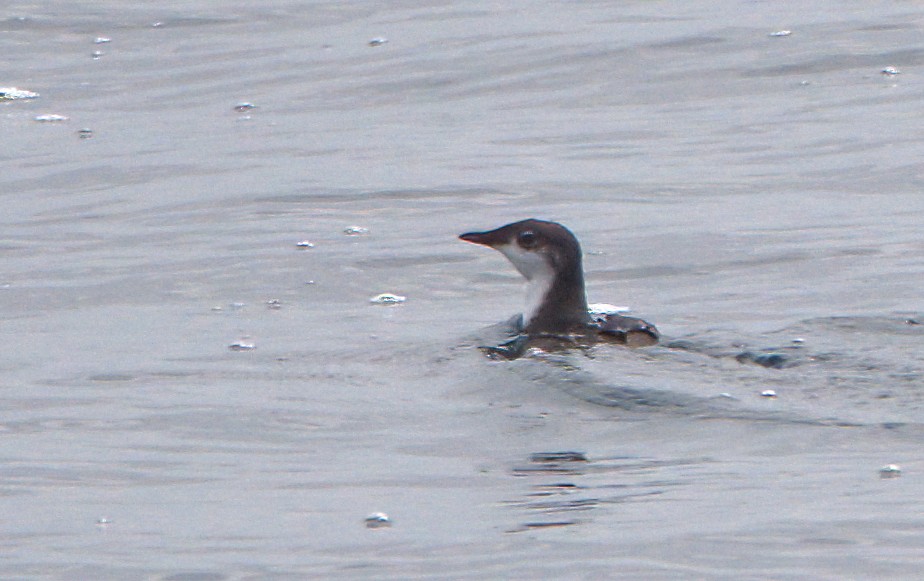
(740, 191)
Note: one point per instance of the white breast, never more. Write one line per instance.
(539, 276)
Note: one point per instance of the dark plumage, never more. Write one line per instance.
(549, 256)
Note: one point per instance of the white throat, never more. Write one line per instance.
(539, 276)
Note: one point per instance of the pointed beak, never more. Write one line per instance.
(491, 238)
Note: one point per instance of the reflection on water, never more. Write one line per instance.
(757, 196)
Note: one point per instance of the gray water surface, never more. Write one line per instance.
(745, 192)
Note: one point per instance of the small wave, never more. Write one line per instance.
(831, 371)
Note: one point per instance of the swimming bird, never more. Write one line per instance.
(549, 257)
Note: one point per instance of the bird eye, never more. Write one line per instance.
(527, 239)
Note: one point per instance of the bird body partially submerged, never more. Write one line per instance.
(549, 256)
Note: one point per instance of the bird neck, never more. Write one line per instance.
(557, 304)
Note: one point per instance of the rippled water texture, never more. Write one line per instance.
(198, 387)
